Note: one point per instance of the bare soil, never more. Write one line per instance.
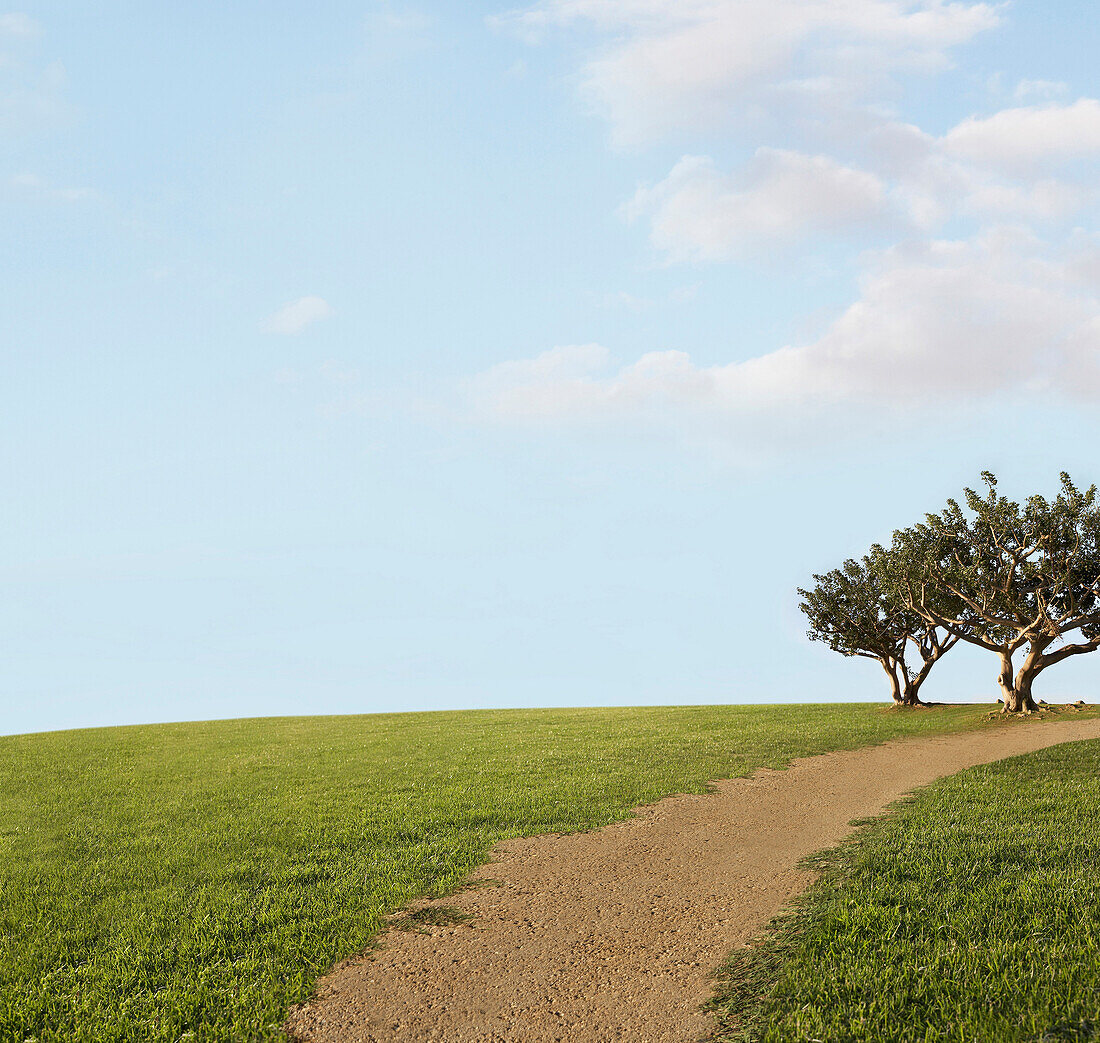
(612, 934)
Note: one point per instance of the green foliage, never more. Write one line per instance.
(856, 612)
(191, 881)
(998, 574)
(1005, 573)
(851, 611)
(971, 913)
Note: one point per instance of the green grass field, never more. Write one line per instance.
(191, 881)
(971, 913)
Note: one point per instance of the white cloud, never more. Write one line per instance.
(393, 30)
(1045, 89)
(31, 93)
(558, 382)
(294, 317)
(388, 18)
(1024, 137)
(32, 185)
(676, 64)
(699, 214)
(31, 97)
(1045, 199)
(946, 320)
(954, 318)
(17, 24)
(819, 71)
(936, 187)
(911, 181)
(988, 296)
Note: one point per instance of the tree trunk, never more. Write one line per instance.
(1016, 691)
(1022, 691)
(895, 688)
(1009, 702)
(912, 688)
(912, 684)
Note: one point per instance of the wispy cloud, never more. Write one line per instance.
(394, 30)
(292, 318)
(697, 213)
(947, 320)
(31, 93)
(35, 187)
(991, 289)
(1029, 90)
(393, 18)
(1029, 136)
(19, 25)
(676, 65)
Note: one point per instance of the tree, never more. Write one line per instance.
(1007, 577)
(851, 610)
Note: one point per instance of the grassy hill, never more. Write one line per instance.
(971, 913)
(191, 881)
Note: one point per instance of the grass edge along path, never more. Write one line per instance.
(192, 881)
(971, 911)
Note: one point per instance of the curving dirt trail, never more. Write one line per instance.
(611, 935)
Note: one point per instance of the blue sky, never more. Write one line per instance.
(386, 356)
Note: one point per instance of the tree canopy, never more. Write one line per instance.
(1008, 577)
(851, 610)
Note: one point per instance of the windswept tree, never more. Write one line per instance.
(1007, 577)
(851, 610)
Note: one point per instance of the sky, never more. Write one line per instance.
(377, 356)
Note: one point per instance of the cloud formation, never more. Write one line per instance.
(940, 320)
(676, 65)
(1030, 136)
(992, 287)
(35, 187)
(18, 24)
(294, 317)
(698, 213)
(31, 94)
(1007, 166)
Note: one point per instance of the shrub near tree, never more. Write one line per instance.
(851, 610)
(1007, 577)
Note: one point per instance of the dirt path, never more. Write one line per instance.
(611, 935)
